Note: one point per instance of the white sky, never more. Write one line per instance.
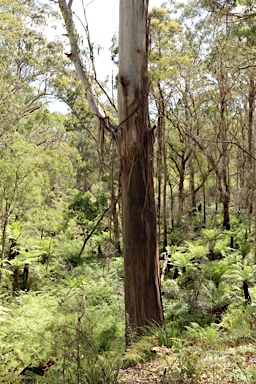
(102, 17)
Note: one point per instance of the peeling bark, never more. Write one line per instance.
(143, 303)
(134, 139)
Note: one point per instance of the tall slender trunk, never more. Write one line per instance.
(204, 208)
(190, 160)
(15, 282)
(225, 152)
(4, 228)
(161, 169)
(26, 277)
(251, 181)
(250, 173)
(192, 183)
(143, 305)
(225, 178)
(181, 197)
(159, 172)
(165, 243)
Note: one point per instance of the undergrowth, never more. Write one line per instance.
(73, 310)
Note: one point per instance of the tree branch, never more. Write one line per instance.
(92, 232)
(83, 74)
(75, 56)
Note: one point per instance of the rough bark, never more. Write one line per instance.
(113, 208)
(134, 139)
(143, 303)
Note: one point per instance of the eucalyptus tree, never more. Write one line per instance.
(230, 64)
(163, 53)
(215, 107)
(134, 139)
(37, 168)
(218, 66)
(82, 128)
(243, 30)
(28, 60)
(28, 64)
(177, 88)
(19, 188)
(99, 168)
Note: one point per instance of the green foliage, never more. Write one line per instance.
(103, 369)
(188, 366)
(38, 324)
(54, 187)
(238, 323)
(207, 336)
(139, 352)
(201, 284)
(85, 208)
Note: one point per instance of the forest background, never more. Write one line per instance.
(60, 222)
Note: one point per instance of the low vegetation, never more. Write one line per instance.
(71, 315)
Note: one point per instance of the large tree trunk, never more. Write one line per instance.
(134, 139)
(143, 303)
(113, 206)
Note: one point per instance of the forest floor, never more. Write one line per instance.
(195, 365)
